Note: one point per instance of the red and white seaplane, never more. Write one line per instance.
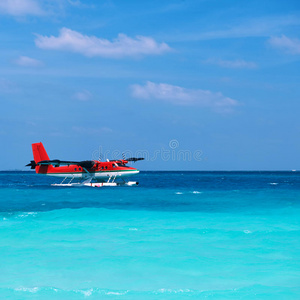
(93, 173)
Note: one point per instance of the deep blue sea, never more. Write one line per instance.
(178, 235)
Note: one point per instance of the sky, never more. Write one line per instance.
(187, 84)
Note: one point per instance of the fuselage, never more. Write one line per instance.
(101, 171)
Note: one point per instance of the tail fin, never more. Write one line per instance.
(39, 153)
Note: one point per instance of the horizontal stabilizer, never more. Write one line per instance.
(32, 164)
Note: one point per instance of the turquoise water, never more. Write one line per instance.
(178, 235)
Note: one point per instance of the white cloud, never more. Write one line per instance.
(26, 61)
(233, 64)
(287, 44)
(181, 96)
(70, 40)
(20, 7)
(82, 96)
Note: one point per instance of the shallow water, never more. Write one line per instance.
(178, 235)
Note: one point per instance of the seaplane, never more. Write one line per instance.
(93, 173)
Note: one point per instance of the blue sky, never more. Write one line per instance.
(191, 85)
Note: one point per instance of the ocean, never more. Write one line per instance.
(178, 235)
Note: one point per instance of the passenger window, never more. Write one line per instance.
(75, 169)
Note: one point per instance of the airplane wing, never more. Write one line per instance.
(87, 164)
(134, 158)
